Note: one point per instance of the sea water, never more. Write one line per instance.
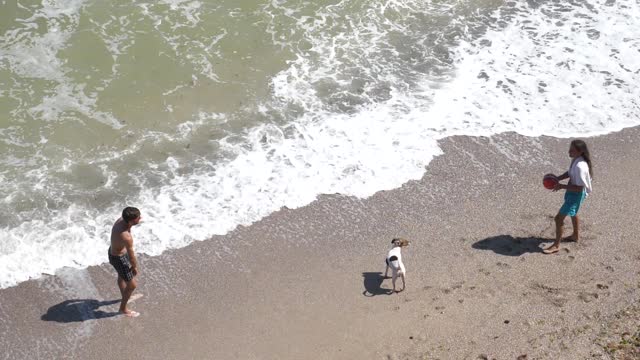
(211, 114)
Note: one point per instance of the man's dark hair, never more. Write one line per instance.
(130, 213)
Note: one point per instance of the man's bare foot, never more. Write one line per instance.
(571, 238)
(551, 249)
(130, 313)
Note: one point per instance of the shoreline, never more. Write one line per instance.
(303, 283)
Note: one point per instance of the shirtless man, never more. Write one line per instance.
(122, 257)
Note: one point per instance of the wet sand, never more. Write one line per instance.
(306, 283)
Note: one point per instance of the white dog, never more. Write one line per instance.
(394, 261)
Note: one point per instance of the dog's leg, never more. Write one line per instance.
(403, 284)
(385, 272)
(394, 276)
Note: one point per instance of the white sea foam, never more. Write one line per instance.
(559, 73)
(567, 75)
(34, 56)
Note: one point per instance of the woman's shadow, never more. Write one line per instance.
(372, 284)
(79, 310)
(510, 246)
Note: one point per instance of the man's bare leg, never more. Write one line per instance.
(121, 285)
(126, 294)
(559, 219)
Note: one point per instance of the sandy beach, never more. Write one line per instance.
(307, 283)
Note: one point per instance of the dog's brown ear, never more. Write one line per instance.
(400, 242)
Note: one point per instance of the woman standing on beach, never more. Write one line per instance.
(579, 186)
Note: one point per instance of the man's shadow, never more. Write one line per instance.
(79, 310)
(372, 283)
(510, 246)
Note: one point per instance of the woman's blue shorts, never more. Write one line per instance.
(572, 202)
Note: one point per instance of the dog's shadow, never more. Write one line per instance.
(79, 310)
(372, 284)
(511, 246)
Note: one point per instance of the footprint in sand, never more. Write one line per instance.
(587, 297)
(555, 296)
(609, 268)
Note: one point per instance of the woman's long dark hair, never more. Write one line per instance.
(581, 146)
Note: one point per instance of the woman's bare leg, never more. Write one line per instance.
(559, 219)
(575, 221)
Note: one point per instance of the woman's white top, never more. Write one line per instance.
(579, 174)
